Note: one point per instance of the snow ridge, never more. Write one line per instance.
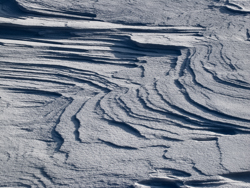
(87, 100)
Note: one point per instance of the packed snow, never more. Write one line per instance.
(125, 93)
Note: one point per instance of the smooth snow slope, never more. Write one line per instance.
(125, 93)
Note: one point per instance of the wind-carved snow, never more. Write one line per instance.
(90, 98)
(241, 6)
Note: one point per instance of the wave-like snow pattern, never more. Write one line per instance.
(89, 101)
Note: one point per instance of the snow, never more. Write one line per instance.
(133, 93)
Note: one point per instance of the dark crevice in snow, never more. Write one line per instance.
(238, 176)
(57, 137)
(126, 127)
(198, 171)
(171, 139)
(46, 175)
(77, 126)
(161, 182)
(77, 123)
(174, 172)
(221, 156)
(205, 183)
(117, 146)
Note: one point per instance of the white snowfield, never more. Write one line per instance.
(125, 93)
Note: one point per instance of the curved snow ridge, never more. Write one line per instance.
(241, 6)
(214, 98)
(195, 93)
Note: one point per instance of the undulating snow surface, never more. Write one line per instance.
(125, 93)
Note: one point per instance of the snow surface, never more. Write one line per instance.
(125, 93)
